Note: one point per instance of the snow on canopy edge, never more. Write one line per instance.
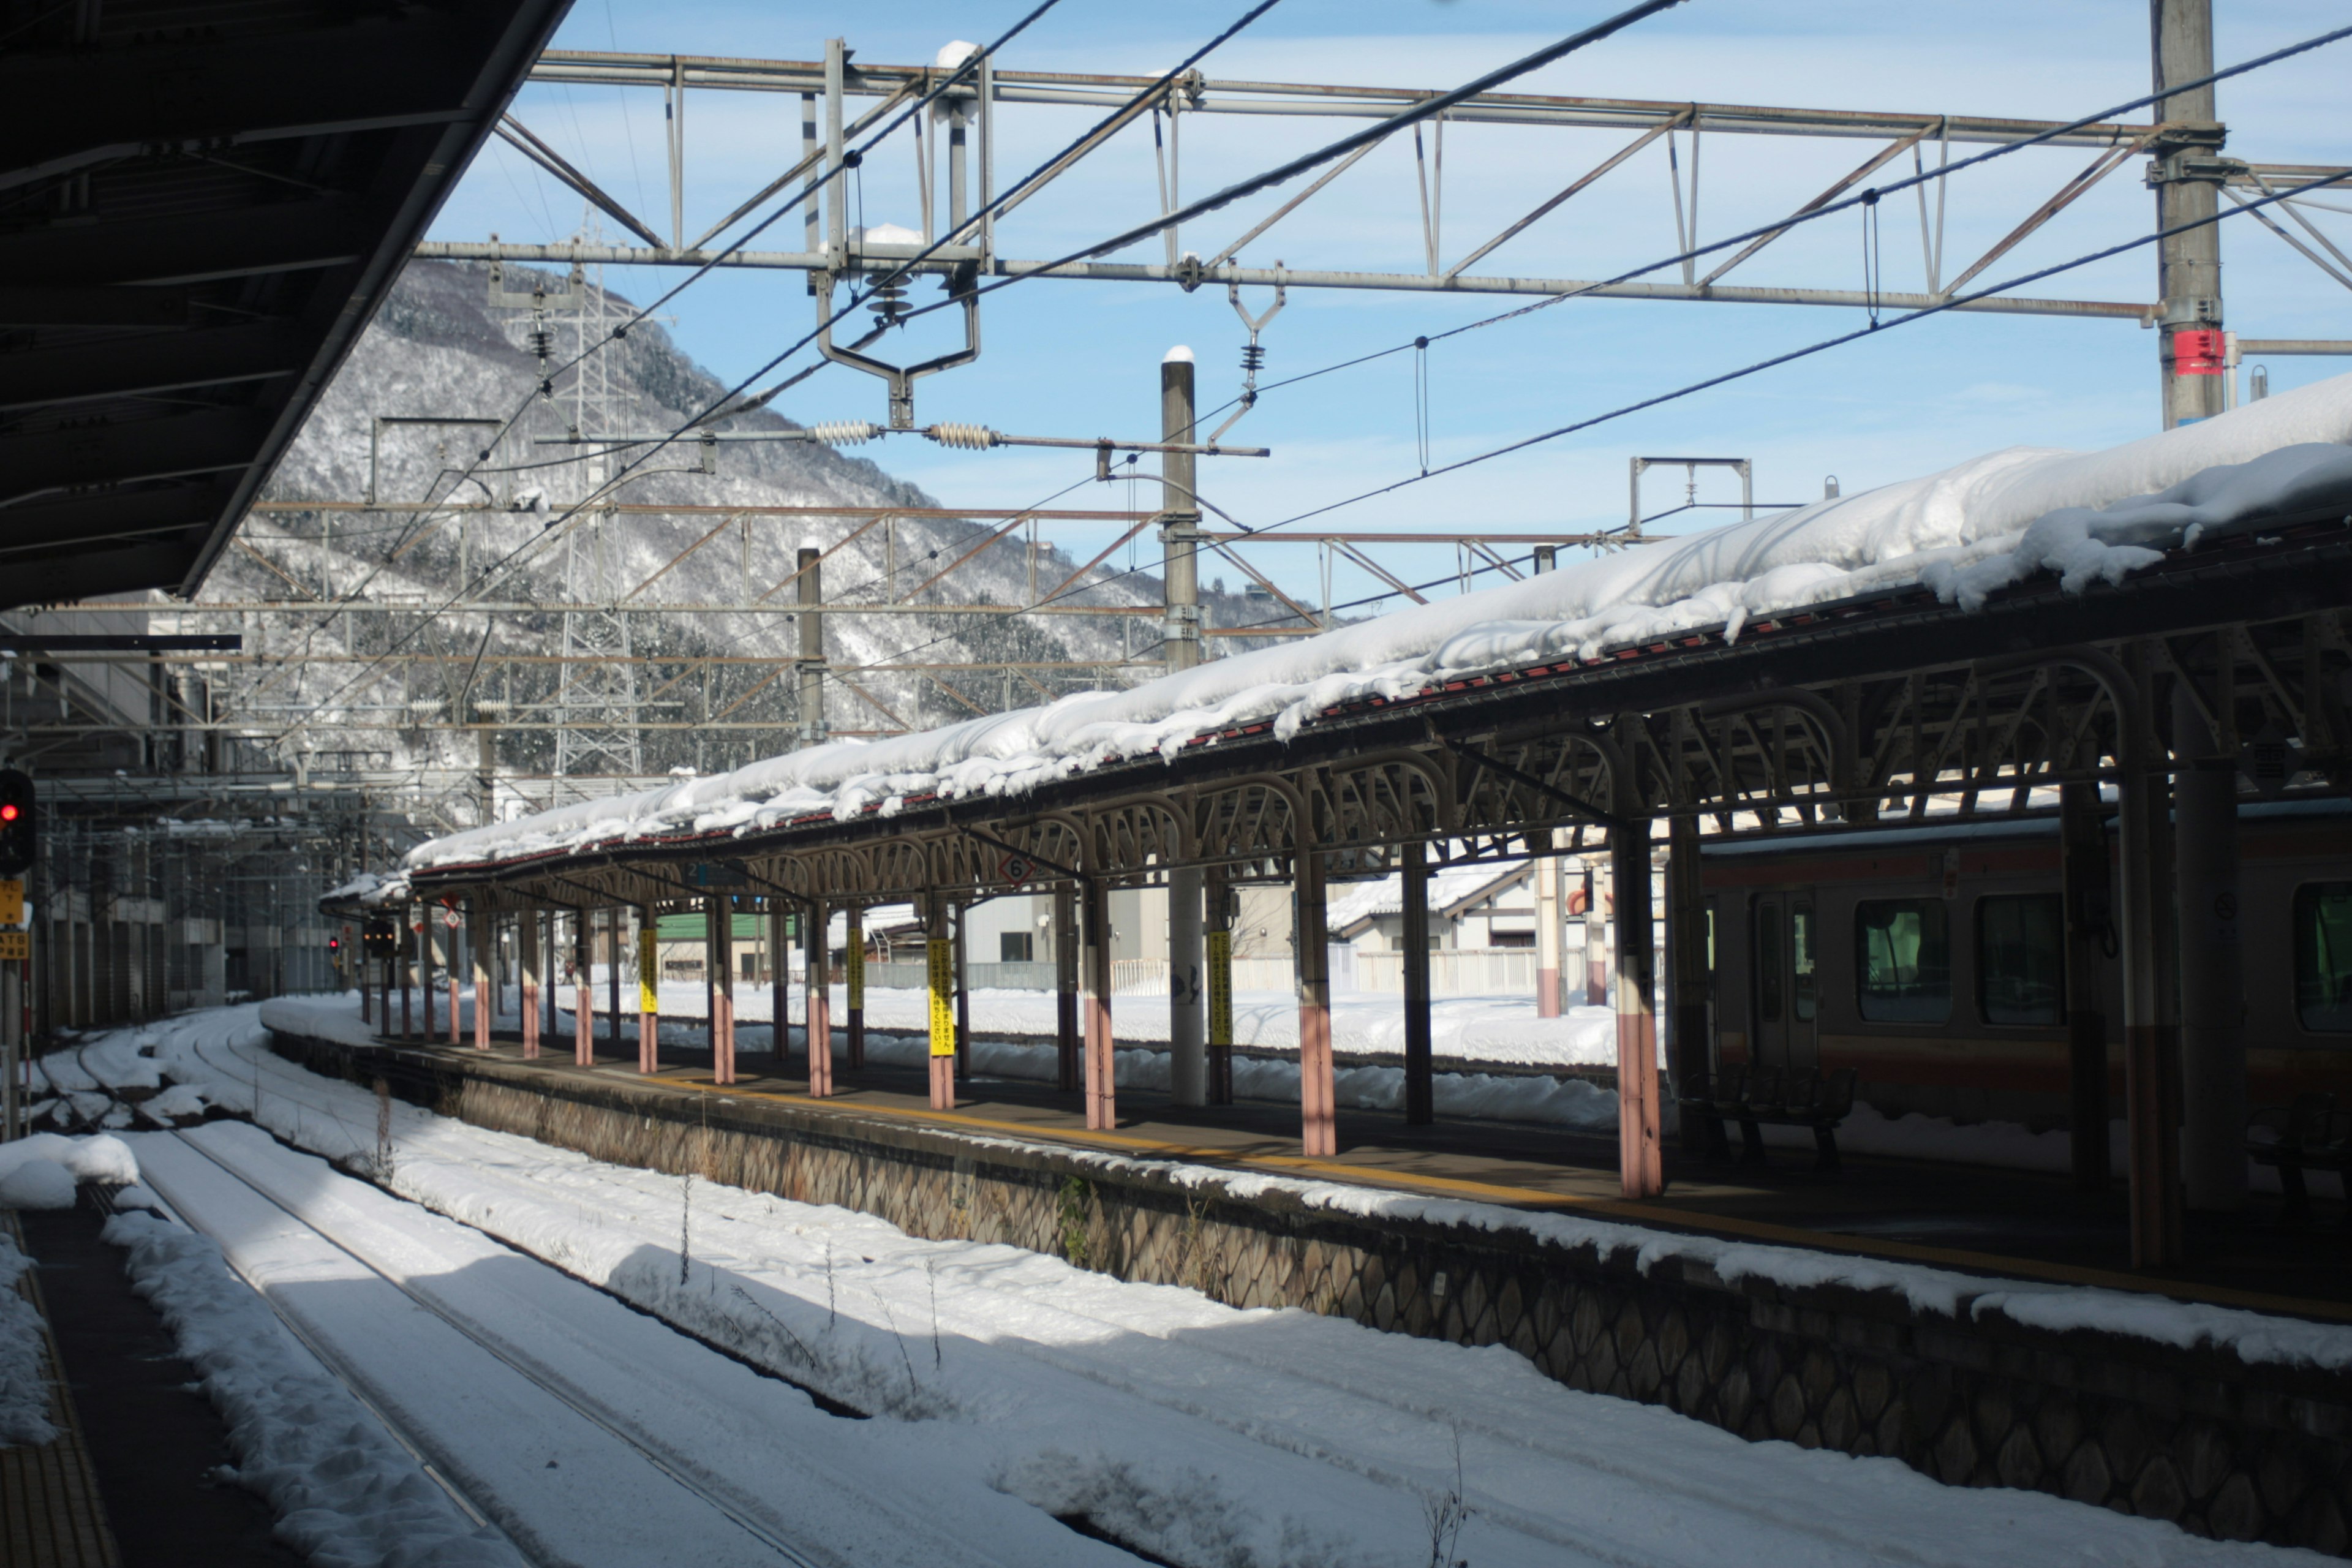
(1963, 532)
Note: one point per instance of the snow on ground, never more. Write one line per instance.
(588, 1433)
(344, 1492)
(1206, 1435)
(23, 1381)
(1212, 1436)
(1971, 529)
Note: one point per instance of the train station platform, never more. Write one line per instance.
(1977, 1219)
(51, 1515)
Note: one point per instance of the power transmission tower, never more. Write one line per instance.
(596, 703)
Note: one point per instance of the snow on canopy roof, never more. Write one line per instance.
(1964, 533)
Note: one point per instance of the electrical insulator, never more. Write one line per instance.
(844, 433)
(543, 343)
(889, 302)
(1252, 358)
(971, 437)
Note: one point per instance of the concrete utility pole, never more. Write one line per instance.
(811, 660)
(2187, 176)
(1180, 524)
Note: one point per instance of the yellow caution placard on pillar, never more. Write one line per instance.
(854, 967)
(16, 944)
(943, 989)
(12, 901)
(1221, 987)
(648, 971)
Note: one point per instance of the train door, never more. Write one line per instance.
(1786, 1007)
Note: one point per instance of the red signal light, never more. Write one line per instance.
(9, 811)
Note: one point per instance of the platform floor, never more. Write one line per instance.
(51, 1515)
(1979, 1220)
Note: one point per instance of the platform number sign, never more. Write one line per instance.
(1016, 869)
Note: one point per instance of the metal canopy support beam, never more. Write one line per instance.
(1640, 1164)
(481, 947)
(720, 912)
(1319, 1132)
(526, 960)
(1420, 1098)
(852, 959)
(2212, 966)
(1217, 942)
(1070, 1073)
(648, 968)
(2151, 1032)
(820, 997)
(1691, 1039)
(583, 995)
(939, 970)
(780, 986)
(1101, 1064)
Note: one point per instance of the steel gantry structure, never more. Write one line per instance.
(963, 242)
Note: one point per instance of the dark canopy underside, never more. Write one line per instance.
(202, 202)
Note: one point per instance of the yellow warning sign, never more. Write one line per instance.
(1221, 987)
(943, 989)
(648, 971)
(16, 944)
(855, 962)
(12, 901)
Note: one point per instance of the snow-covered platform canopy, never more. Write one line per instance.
(1971, 635)
(1952, 648)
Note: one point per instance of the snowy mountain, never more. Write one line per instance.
(391, 685)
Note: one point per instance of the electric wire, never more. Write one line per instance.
(1778, 226)
(632, 467)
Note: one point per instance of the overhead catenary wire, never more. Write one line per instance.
(1869, 197)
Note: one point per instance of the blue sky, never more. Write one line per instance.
(1077, 358)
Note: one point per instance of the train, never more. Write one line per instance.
(1931, 960)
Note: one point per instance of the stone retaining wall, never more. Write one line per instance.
(2219, 1446)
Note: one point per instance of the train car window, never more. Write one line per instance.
(2323, 957)
(1903, 961)
(1768, 965)
(2022, 959)
(1802, 999)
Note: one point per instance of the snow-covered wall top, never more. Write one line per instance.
(1964, 533)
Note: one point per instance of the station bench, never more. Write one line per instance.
(2310, 1134)
(1760, 1097)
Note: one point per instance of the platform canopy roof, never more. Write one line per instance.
(1514, 702)
(201, 204)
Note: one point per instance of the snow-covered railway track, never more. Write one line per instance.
(588, 1433)
(337, 1360)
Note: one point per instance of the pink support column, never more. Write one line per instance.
(1101, 1063)
(583, 1006)
(648, 967)
(1640, 1160)
(1319, 1133)
(820, 1000)
(481, 931)
(528, 960)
